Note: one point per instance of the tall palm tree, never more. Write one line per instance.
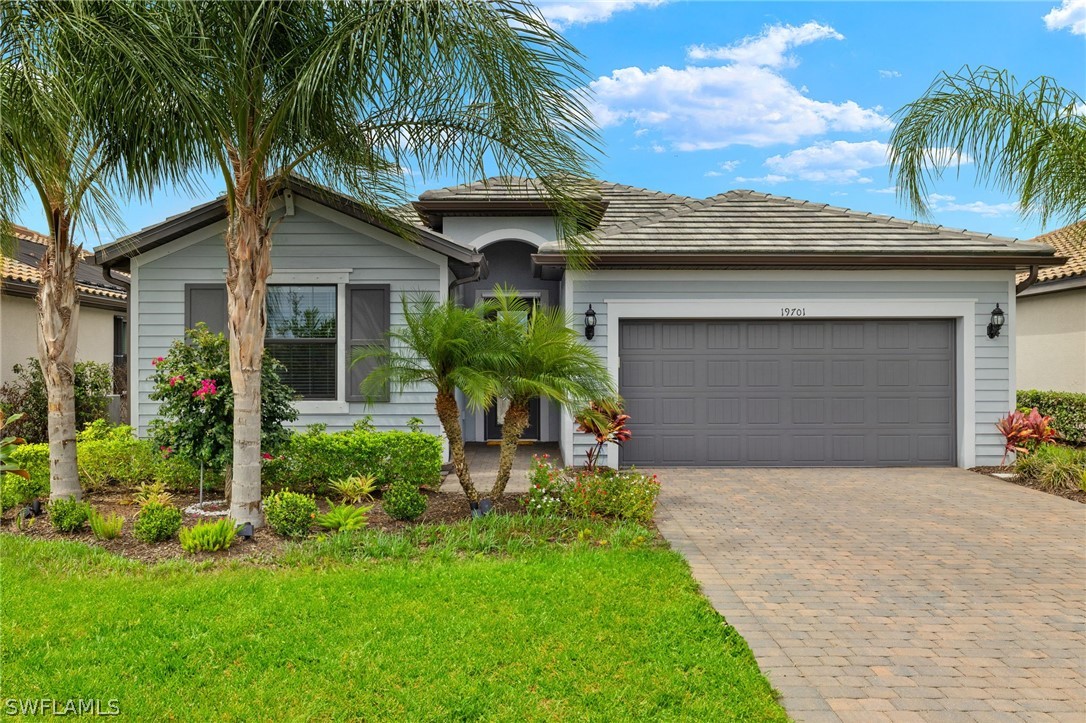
(349, 94)
(53, 86)
(1027, 140)
(444, 345)
(540, 355)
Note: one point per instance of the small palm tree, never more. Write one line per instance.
(1027, 140)
(537, 353)
(445, 345)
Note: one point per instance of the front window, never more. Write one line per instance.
(302, 336)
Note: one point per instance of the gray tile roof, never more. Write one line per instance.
(745, 222)
(624, 203)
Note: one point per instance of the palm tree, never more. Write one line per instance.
(1028, 140)
(52, 140)
(445, 345)
(349, 94)
(538, 353)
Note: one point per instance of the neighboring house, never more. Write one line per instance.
(1051, 330)
(102, 335)
(743, 329)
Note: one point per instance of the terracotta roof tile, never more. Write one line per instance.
(24, 266)
(1069, 241)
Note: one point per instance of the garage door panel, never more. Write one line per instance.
(795, 392)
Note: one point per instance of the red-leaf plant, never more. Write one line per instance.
(606, 421)
(1024, 432)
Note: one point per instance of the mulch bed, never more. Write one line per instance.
(1076, 495)
(442, 507)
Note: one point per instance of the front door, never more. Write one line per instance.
(493, 421)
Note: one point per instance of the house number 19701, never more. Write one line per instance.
(793, 311)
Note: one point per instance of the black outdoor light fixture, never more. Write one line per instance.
(589, 323)
(998, 319)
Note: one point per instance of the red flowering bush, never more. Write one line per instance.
(625, 494)
(546, 484)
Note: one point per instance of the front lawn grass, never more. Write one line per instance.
(578, 633)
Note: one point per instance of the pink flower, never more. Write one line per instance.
(157, 360)
(265, 455)
(166, 450)
(207, 389)
(178, 378)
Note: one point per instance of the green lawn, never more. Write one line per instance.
(576, 633)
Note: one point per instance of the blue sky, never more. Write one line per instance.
(794, 98)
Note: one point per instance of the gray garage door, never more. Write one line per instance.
(788, 393)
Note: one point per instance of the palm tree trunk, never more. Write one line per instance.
(58, 316)
(513, 425)
(248, 250)
(448, 412)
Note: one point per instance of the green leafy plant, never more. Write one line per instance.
(155, 492)
(93, 383)
(196, 411)
(15, 489)
(355, 488)
(208, 536)
(343, 518)
(8, 445)
(1054, 467)
(290, 514)
(625, 494)
(606, 421)
(403, 501)
(113, 455)
(156, 522)
(68, 514)
(105, 527)
(546, 487)
(1067, 409)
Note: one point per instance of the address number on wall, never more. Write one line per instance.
(793, 311)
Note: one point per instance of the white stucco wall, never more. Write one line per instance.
(19, 333)
(1051, 336)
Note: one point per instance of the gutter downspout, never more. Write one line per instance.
(1028, 281)
(479, 274)
(107, 274)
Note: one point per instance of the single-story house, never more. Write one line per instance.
(1051, 330)
(103, 308)
(743, 329)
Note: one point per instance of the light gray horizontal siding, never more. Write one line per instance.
(992, 359)
(305, 241)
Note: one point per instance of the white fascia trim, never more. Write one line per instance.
(134, 350)
(508, 234)
(379, 234)
(797, 274)
(565, 432)
(962, 310)
(216, 229)
(1010, 329)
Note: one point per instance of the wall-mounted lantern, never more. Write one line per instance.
(998, 319)
(589, 323)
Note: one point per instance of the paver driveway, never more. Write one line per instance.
(893, 594)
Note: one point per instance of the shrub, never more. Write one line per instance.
(546, 485)
(148, 493)
(208, 536)
(105, 528)
(606, 421)
(196, 414)
(290, 514)
(93, 384)
(311, 461)
(343, 517)
(354, 489)
(68, 515)
(1054, 467)
(403, 501)
(1067, 409)
(16, 490)
(113, 455)
(156, 522)
(625, 494)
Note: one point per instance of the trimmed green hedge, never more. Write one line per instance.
(1067, 409)
(309, 461)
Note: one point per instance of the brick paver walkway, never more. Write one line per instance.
(893, 595)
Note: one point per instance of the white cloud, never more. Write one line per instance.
(768, 178)
(730, 165)
(942, 203)
(640, 132)
(887, 190)
(562, 15)
(830, 162)
(768, 49)
(889, 74)
(1071, 14)
(741, 103)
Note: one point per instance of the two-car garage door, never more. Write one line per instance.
(788, 393)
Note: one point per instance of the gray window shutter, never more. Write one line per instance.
(206, 303)
(368, 320)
